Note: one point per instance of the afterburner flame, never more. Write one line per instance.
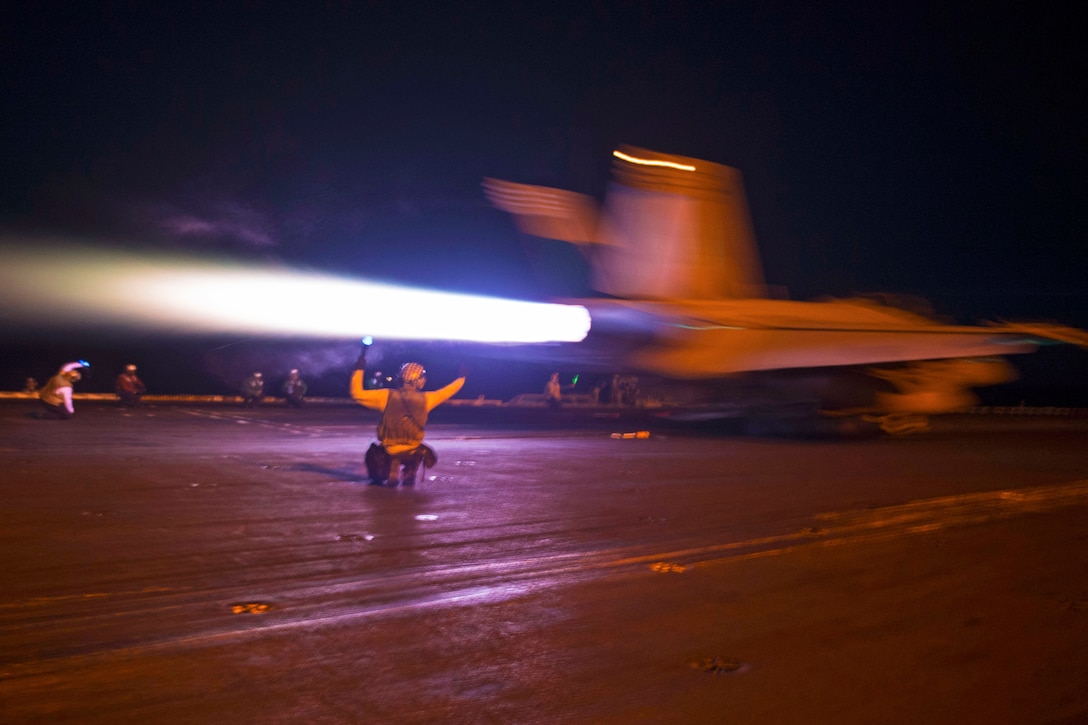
(80, 285)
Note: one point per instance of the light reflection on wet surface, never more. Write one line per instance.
(563, 578)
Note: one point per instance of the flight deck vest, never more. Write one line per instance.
(404, 418)
(49, 393)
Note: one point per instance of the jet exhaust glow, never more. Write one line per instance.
(80, 285)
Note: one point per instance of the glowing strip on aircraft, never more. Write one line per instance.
(652, 162)
(77, 285)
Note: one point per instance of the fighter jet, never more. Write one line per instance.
(684, 302)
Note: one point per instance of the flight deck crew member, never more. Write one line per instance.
(56, 396)
(553, 391)
(129, 387)
(294, 390)
(403, 422)
(252, 390)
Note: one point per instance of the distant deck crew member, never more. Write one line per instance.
(294, 389)
(253, 390)
(129, 387)
(553, 391)
(56, 396)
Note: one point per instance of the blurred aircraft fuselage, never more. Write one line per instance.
(673, 252)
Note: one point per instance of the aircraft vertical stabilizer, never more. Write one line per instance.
(676, 228)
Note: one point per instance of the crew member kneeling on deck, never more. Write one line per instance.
(404, 420)
(56, 396)
(129, 387)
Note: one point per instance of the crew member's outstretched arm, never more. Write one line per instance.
(437, 397)
(375, 399)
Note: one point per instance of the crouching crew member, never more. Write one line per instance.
(252, 390)
(129, 387)
(294, 390)
(56, 396)
(403, 424)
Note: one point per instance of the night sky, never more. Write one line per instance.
(934, 149)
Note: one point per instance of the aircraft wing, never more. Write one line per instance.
(1045, 331)
(702, 340)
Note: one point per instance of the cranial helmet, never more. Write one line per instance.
(411, 372)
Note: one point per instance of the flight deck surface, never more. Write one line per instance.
(213, 564)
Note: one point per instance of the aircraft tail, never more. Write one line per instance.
(671, 228)
(541, 211)
(676, 228)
